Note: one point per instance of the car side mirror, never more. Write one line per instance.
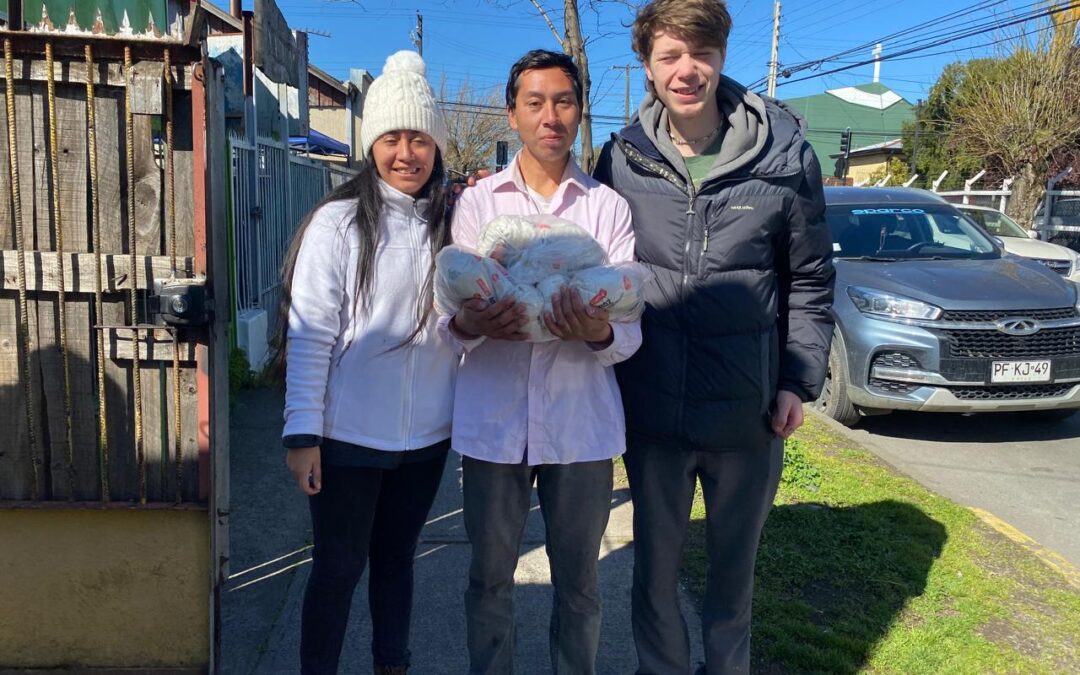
(1033, 234)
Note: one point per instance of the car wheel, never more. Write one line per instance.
(1047, 416)
(834, 401)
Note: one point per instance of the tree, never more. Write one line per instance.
(1015, 116)
(475, 123)
(1020, 116)
(927, 140)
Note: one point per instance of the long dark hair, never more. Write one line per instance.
(363, 188)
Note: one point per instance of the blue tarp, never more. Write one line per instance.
(319, 144)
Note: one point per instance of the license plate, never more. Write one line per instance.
(1020, 371)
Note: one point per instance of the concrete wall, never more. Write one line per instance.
(104, 588)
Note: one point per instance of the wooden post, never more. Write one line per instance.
(211, 259)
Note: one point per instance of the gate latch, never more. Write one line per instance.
(181, 302)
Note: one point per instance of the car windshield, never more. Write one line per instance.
(906, 233)
(996, 223)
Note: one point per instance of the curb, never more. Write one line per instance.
(1050, 557)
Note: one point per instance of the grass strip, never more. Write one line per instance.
(862, 570)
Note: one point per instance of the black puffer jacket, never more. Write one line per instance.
(744, 277)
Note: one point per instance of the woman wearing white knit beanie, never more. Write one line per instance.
(369, 382)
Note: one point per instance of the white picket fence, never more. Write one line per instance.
(994, 198)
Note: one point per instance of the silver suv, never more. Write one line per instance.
(930, 316)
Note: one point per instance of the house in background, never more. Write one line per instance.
(870, 159)
(874, 113)
(334, 114)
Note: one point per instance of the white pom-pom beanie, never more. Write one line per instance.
(401, 98)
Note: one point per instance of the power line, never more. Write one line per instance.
(937, 42)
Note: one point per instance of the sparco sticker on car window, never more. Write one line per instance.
(866, 212)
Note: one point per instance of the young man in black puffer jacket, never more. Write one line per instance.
(728, 212)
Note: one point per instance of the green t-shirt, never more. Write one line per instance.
(698, 166)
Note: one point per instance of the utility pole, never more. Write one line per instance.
(918, 128)
(418, 33)
(626, 103)
(774, 61)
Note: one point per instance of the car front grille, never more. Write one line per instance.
(981, 316)
(993, 344)
(1011, 392)
(1059, 266)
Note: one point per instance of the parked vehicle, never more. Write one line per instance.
(1021, 242)
(1064, 227)
(931, 316)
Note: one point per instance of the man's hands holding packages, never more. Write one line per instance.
(501, 321)
(571, 319)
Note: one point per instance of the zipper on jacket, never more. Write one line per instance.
(411, 222)
(690, 213)
(634, 155)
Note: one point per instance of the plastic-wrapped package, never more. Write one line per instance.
(530, 297)
(462, 274)
(539, 254)
(616, 288)
(547, 288)
(534, 247)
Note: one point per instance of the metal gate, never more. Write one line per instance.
(272, 191)
(107, 229)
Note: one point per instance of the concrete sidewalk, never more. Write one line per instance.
(270, 561)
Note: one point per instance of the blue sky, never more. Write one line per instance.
(478, 40)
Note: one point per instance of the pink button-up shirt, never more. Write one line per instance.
(558, 402)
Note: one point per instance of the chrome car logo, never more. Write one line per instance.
(1018, 326)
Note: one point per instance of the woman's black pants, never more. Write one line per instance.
(364, 515)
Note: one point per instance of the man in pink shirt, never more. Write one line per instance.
(549, 412)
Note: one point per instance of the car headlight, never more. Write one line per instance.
(873, 301)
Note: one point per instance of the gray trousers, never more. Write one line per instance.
(575, 500)
(739, 488)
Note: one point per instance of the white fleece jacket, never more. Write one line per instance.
(344, 379)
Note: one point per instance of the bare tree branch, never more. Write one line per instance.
(547, 19)
(473, 128)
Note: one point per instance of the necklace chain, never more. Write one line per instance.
(690, 141)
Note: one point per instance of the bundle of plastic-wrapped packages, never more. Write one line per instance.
(529, 258)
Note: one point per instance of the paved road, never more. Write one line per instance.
(270, 562)
(1027, 474)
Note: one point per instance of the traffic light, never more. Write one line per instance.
(502, 148)
(845, 143)
(845, 153)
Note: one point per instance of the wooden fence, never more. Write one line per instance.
(99, 204)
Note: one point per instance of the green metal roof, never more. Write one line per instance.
(827, 115)
(142, 15)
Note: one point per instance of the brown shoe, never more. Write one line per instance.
(391, 670)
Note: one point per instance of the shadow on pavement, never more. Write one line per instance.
(972, 428)
(831, 581)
